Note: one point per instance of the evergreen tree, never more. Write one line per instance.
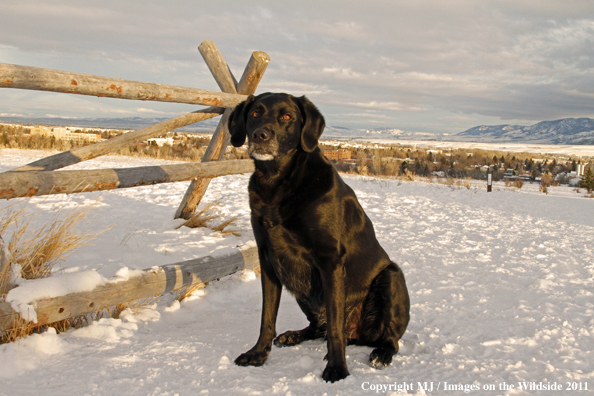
(403, 167)
(588, 180)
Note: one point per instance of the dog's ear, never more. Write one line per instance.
(237, 120)
(312, 124)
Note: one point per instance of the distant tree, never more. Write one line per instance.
(403, 167)
(553, 165)
(588, 180)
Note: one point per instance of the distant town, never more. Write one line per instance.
(381, 159)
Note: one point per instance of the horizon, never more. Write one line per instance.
(211, 123)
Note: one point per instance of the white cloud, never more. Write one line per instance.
(151, 111)
(11, 115)
(394, 106)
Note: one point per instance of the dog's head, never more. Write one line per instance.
(275, 124)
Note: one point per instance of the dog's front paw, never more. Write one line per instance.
(251, 358)
(334, 373)
(380, 358)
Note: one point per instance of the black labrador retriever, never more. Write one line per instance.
(315, 239)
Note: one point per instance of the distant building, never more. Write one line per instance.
(580, 169)
(161, 141)
(65, 134)
(338, 154)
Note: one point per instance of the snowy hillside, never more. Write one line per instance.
(564, 131)
(501, 287)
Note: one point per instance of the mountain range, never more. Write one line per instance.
(572, 131)
(564, 131)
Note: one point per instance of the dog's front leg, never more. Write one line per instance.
(271, 292)
(335, 301)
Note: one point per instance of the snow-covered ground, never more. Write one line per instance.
(501, 288)
(535, 149)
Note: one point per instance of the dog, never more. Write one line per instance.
(314, 238)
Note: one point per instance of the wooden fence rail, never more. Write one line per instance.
(25, 77)
(39, 178)
(35, 78)
(153, 282)
(29, 184)
(84, 153)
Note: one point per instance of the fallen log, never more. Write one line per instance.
(29, 184)
(152, 282)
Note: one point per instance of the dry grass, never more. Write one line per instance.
(188, 291)
(518, 183)
(546, 180)
(408, 175)
(37, 251)
(206, 216)
(10, 216)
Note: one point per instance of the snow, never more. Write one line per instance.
(21, 297)
(501, 287)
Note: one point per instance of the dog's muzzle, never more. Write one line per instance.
(262, 147)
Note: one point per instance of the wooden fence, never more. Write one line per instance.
(37, 177)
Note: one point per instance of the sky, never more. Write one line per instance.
(419, 66)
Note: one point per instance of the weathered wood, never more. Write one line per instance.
(153, 282)
(26, 77)
(84, 153)
(35, 183)
(220, 140)
(218, 67)
(252, 75)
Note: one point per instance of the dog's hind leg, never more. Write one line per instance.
(385, 315)
(311, 332)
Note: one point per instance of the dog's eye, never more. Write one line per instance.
(255, 114)
(286, 117)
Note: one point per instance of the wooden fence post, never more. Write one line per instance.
(216, 149)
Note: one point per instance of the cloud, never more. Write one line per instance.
(59, 116)
(393, 106)
(151, 111)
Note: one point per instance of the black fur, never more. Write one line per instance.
(314, 239)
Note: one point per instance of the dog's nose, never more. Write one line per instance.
(260, 135)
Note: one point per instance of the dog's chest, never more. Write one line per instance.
(286, 245)
(290, 258)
